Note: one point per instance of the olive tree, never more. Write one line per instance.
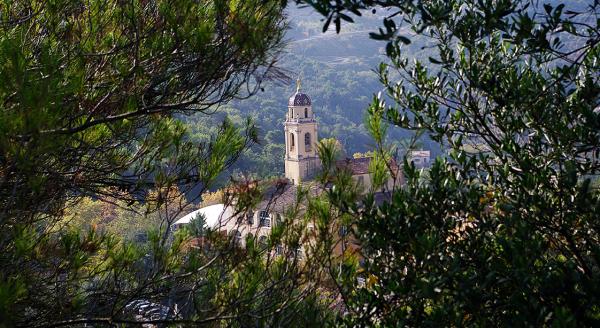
(504, 229)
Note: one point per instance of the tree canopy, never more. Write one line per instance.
(500, 231)
(506, 233)
(89, 91)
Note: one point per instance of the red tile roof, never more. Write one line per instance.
(355, 165)
(359, 166)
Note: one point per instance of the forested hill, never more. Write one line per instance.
(336, 72)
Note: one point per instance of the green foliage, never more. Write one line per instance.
(330, 150)
(95, 163)
(336, 72)
(379, 170)
(88, 89)
(502, 232)
(198, 226)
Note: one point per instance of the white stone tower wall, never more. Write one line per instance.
(301, 160)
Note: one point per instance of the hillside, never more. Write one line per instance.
(336, 71)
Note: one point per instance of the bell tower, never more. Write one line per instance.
(300, 126)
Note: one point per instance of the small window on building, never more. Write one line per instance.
(236, 237)
(279, 250)
(250, 218)
(292, 142)
(343, 231)
(307, 142)
(264, 219)
(299, 253)
(361, 180)
(305, 112)
(263, 242)
(142, 237)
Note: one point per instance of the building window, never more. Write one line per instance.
(263, 242)
(343, 231)
(279, 250)
(299, 253)
(292, 142)
(250, 218)
(361, 180)
(236, 237)
(264, 220)
(307, 142)
(305, 112)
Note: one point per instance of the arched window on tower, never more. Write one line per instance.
(292, 142)
(305, 112)
(307, 142)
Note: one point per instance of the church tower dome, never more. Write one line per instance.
(299, 99)
(300, 126)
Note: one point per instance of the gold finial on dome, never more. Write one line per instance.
(298, 84)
